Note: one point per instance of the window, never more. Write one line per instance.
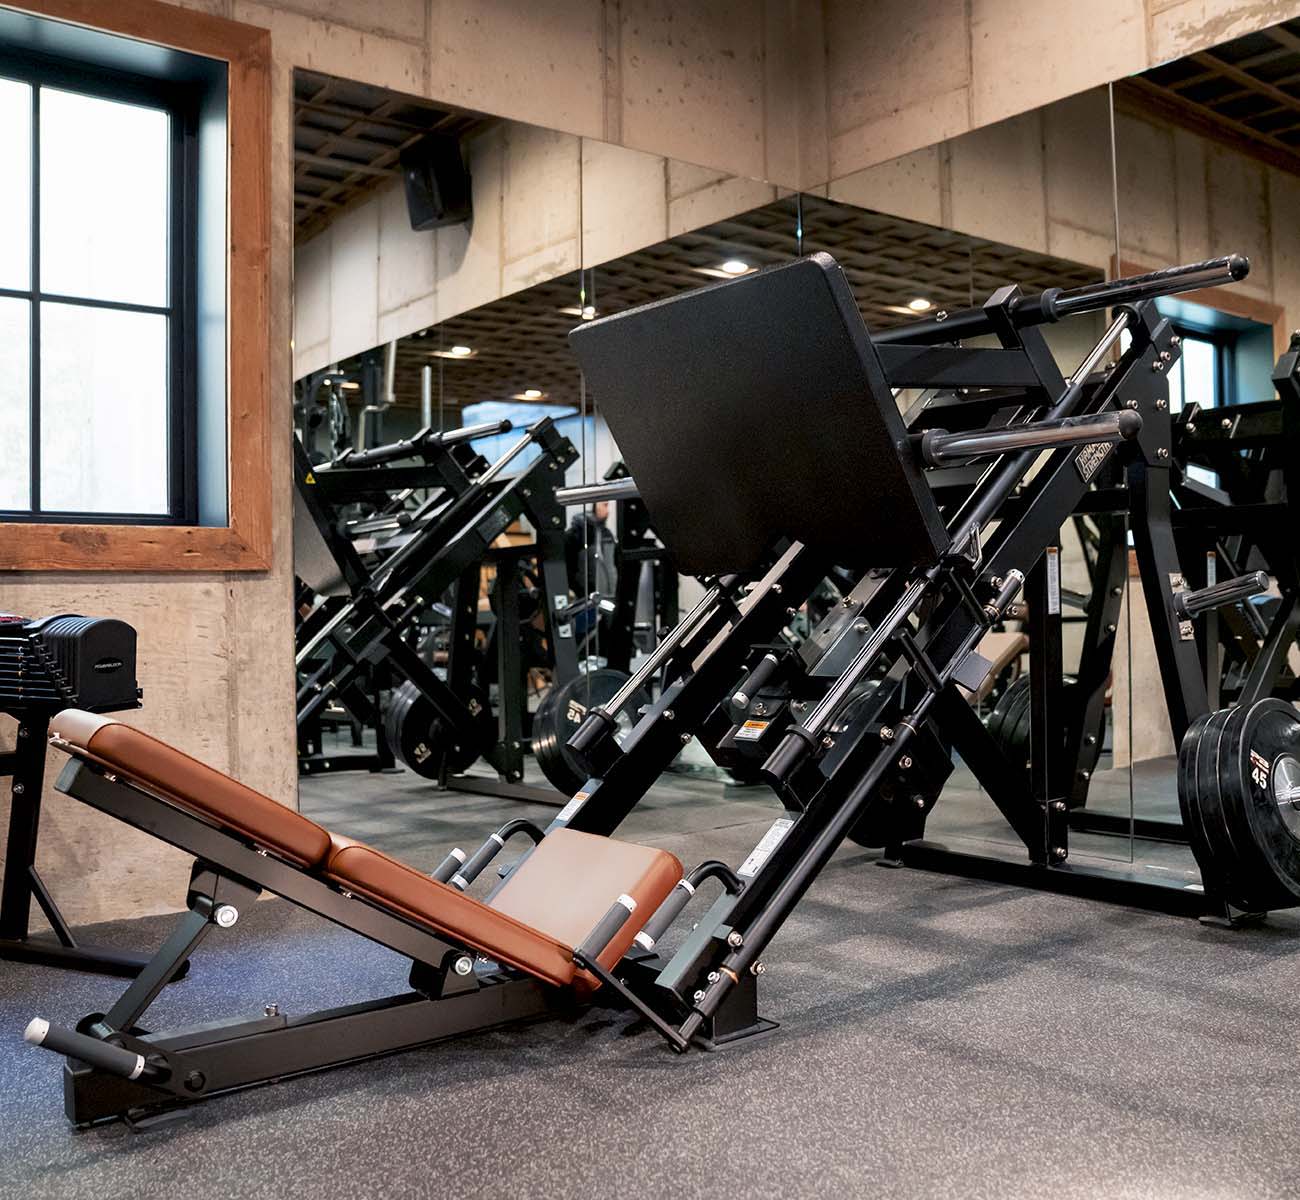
(1201, 372)
(97, 409)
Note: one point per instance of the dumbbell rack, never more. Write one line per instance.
(33, 688)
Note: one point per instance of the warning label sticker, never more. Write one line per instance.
(763, 851)
(1053, 580)
(751, 731)
(569, 810)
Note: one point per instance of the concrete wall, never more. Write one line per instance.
(543, 202)
(902, 74)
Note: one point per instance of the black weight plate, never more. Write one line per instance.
(1214, 821)
(1188, 804)
(1199, 786)
(1248, 869)
(1015, 705)
(560, 713)
(1263, 771)
(421, 740)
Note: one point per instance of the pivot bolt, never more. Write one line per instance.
(686, 739)
(271, 1010)
(195, 1080)
(698, 996)
(828, 741)
(886, 733)
(1162, 452)
(1058, 805)
(226, 915)
(905, 761)
(1226, 423)
(735, 939)
(1161, 405)
(1059, 852)
(1084, 776)
(713, 977)
(669, 715)
(463, 965)
(757, 969)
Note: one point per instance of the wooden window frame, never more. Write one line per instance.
(244, 543)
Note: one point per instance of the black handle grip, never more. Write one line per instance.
(665, 915)
(1192, 604)
(98, 1053)
(606, 928)
(750, 686)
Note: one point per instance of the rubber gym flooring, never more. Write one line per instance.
(939, 1036)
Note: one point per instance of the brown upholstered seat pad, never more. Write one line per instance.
(190, 784)
(365, 871)
(551, 902)
(567, 884)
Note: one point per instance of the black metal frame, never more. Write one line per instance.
(181, 104)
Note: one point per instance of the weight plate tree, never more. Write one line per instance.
(563, 709)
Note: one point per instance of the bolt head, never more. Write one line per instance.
(686, 739)
(828, 742)
(464, 965)
(735, 939)
(905, 761)
(1226, 423)
(669, 714)
(886, 733)
(271, 1010)
(919, 801)
(757, 969)
(698, 996)
(226, 915)
(1084, 776)
(1059, 852)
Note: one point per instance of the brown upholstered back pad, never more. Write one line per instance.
(190, 784)
(569, 881)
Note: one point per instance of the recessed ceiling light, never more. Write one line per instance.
(349, 386)
(532, 393)
(461, 352)
(587, 311)
(733, 268)
(920, 304)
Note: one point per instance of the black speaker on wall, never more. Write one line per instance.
(437, 182)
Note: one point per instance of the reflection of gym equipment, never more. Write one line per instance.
(636, 549)
(47, 665)
(438, 725)
(337, 554)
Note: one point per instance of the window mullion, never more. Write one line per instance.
(34, 325)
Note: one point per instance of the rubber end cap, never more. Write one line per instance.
(1129, 423)
(1238, 266)
(36, 1030)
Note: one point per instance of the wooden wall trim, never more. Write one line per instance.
(245, 544)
